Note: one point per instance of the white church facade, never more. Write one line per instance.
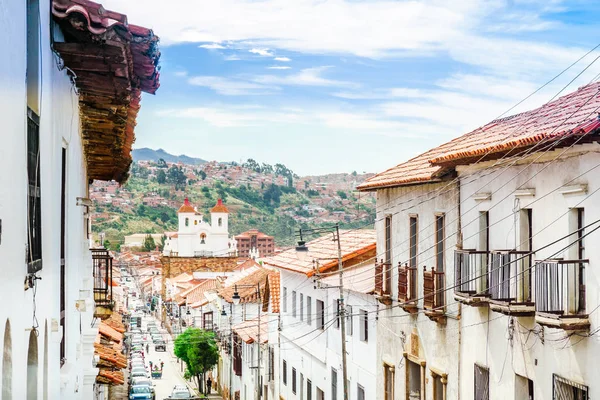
(196, 237)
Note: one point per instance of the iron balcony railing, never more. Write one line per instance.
(510, 276)
(470, 272)
(407, 283)
(102, 265)
(560, 286)
(434, 294)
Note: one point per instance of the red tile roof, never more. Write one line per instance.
(354, 243)
(248, 330)
(575, 113)
(220, 207)
(112, 63)
(252, 232)
(272, 292)
(196, 293)
(110, 333)
(109, 377)
(246, 286)
(186, 207)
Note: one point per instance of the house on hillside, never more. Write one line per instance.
(72, 79)
(308, 356)
(255, 243)
(198, 238)
(507, 209)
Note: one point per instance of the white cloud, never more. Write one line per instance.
(232, 57)
(262, 52)
(181, 73)
(282, 59)
(380, 94)
(306, 77)
(279, 67)
(235, 116)
(212, 46)
(231, 87)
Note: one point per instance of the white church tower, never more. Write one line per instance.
(198, 238)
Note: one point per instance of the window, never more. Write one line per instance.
(207, 321)
(482, 383)
(364, 325)
(33, 56)
(308, 389)
(388, 382)
(271, 363)
(388, 255)
(220, 221)
(34, 203)
(360, 392)
(284, 372)
(301, 307)
(294, 380)
(237, 354)
(349, 326)
(439, 243)
(320, 394)
(320, 315)
(523, 388)
(484, 231)
(564, 389)
(577, 252)
(202, 238)
(308, 310)
(187, 222)
(334, 389)
(413, 376)
(195, 222)
(284, 299)
(294, 303)
(413, 226)
(336, 307)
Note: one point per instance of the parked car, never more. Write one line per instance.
(138, 374)
(181, 392)
(144, 382)
(160, 345)
(140, 392)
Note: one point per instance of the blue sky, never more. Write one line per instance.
(341, 85)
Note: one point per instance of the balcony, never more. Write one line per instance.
(434, 294)
(103, 296)
(560, 294)
(407, 288)
(471, 278)
(383, 279)
(510, 282)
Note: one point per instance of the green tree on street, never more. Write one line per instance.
(198, 349)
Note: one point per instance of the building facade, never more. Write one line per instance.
(252, 240)
(48, 322)
(198, 238)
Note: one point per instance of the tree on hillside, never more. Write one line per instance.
(251, 164)
(272, 196)
(161, 163)
(266, 168)
(198, 349)
(161, 176)
(176, 177)
(148, 244)
(342, 194)
(202, 174)
(163, 239)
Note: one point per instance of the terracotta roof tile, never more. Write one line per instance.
(272, 292)
(248, 330)
(196, 293)
(219, 208)
(110, 333)
(353, 242)
(247, 294)
(110, 377)
(186, 207)
(575, 113)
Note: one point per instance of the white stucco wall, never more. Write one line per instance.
(59, 127)
(438, 343)
(313, 353)
(534, 352)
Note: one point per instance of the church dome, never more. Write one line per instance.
(220, 208)
(186, 207)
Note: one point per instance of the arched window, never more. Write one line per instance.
(187, 222)
(195, 222)
(203, 238)
(220, 221)
(32, 367)
(7, 364)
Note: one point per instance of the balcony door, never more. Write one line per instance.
(63, 264)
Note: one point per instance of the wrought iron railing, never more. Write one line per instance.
(434, 294)
(470, 272)
(560, 286)
(510, 276)
(407, 283)
(102, 266)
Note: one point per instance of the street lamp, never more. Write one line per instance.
(302, 253)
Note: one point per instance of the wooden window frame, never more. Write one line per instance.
(423, 364)
(392, 372)
(443, 378)
(440, 243)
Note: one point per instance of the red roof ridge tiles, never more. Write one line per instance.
(572, 114)
(186, 207)
(220, 207)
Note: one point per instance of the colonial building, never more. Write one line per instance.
(307, 357)
(71, 83)
(198, 238)
(255, 243)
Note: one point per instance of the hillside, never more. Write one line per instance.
(146, 154)
(270, 198)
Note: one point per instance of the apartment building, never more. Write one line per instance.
(255, 240)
